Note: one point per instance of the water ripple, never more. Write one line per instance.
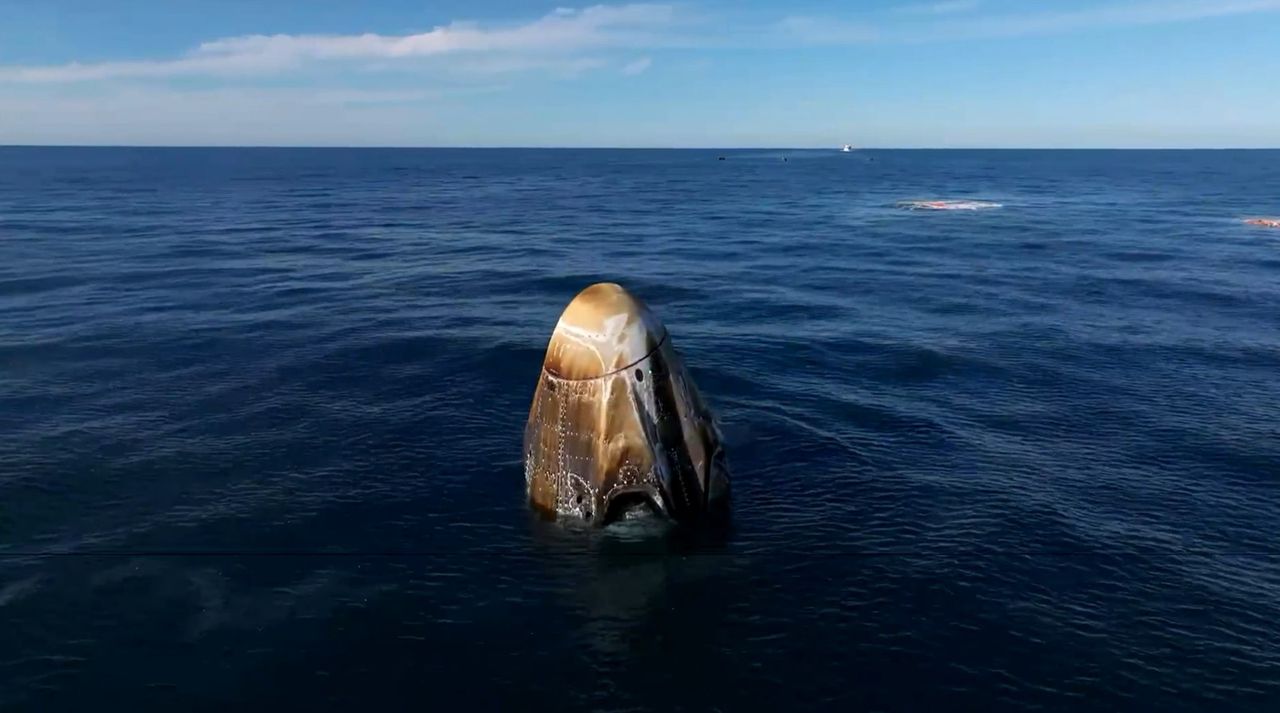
(265, 408)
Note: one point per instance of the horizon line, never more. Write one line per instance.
(835, 148)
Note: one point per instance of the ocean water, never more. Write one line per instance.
(261, 412)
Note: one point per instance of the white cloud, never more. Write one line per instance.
(418, 95)
(563, 31)
(637, 66)
(569, 41)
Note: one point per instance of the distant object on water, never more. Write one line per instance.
(847, 148)
(948, 205)
(720, 158)
(1263, 222)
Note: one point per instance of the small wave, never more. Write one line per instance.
(948, 205)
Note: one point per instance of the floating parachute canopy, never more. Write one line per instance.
(948, 205)
(1264, 222)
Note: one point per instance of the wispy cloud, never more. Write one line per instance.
(948, 7)
(415, 88)
(568, 42)
(1090, 18)
(564, 67)
(826, 31)
(145, 114)
(637, 66)
(962, 20)
(561, 32)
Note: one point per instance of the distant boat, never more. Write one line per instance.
(847, 148)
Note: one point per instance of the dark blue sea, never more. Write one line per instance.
(261, 415)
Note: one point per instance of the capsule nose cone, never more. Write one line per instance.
(603, 330)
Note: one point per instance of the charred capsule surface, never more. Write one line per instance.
(616, 422)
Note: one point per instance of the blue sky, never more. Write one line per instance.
(808, 73)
